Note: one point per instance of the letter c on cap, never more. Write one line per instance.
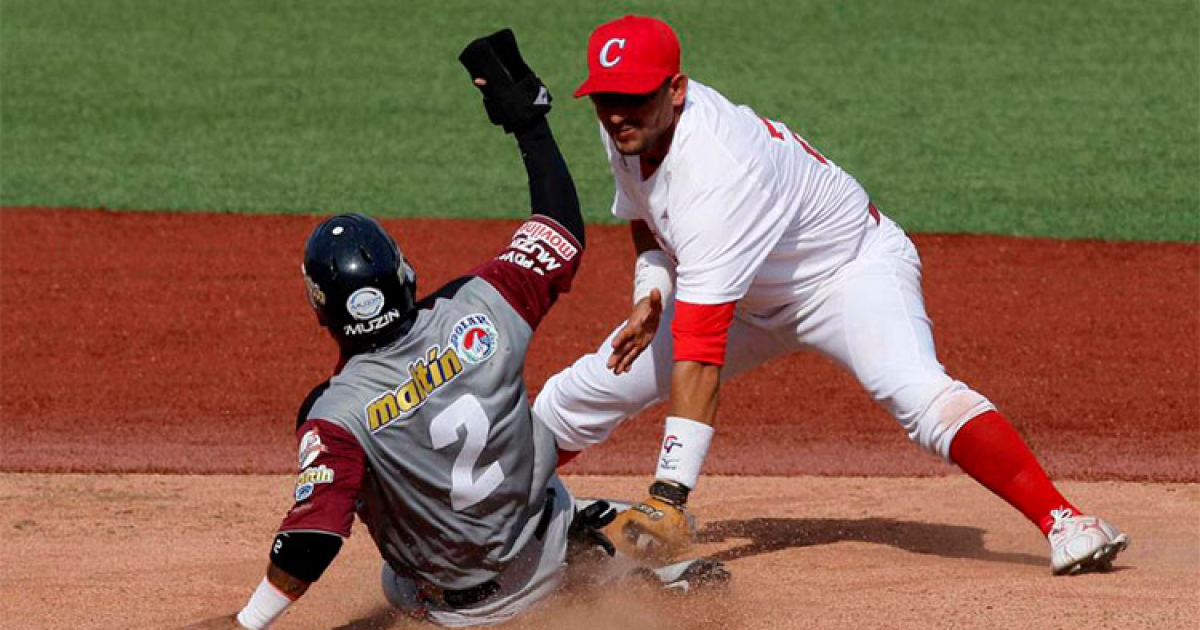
(604, 60)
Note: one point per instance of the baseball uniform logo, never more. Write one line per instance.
(308, 480)
(540, 248)
(474, 337)
(427, 375)
(606, 50)
(365, 303)
(316, 297)
(310, 448)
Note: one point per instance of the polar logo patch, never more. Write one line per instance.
(365, 303)
(475, 338)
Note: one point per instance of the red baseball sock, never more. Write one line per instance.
(989, 450)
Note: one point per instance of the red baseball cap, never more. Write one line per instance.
(631, 55)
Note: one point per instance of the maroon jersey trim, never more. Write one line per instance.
(331, 465)
(538, 265)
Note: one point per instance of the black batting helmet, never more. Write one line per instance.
(358, 282)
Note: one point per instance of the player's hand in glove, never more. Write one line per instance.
(658, 529)
(513, 95)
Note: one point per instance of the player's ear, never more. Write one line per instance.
(678, 88)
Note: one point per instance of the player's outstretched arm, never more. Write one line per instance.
(278, 590)
(653, 280)
(660, 526)
(310, 538)
(516, 99)
(258, 614)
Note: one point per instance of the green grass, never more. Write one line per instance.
(1047, 117)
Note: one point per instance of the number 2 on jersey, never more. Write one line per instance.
(465, 488)
(773, 129)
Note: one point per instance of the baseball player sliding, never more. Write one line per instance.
(425, 429)
(751, 245)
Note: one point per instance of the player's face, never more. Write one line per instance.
(639, 123)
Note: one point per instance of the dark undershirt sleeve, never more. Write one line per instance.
(551, 189)
(543, 256)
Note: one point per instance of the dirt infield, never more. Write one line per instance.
(182, 343)
(174, 342)
(146, 551)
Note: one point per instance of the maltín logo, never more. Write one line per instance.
(309, 479)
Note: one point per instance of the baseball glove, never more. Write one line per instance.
(653, 531)
(513, 95)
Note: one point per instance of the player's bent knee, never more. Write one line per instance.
(582, 405)
(935, 427)
(573, 426)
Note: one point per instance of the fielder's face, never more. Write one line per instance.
(639, 123)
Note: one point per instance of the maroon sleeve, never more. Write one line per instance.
(536, 267)
(331, 464)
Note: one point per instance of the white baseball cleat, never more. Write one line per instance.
(1083, 544)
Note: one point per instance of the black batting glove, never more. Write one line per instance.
(513, 95)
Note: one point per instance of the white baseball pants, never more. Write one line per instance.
(869, 317)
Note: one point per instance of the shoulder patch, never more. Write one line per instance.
(537, 232)
(539, 248)
(309, 479)
(311, 447)
(475, 338)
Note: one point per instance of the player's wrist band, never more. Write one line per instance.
(653, 270)
(264, 607)
(684, 447)
(670, 491)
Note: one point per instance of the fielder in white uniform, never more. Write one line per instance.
(754, 245)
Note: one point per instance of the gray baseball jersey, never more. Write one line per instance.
(430, 440)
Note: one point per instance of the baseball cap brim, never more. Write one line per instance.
(624, 83)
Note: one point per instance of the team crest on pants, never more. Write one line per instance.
(474, 337)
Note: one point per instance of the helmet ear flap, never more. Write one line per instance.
(316, 297)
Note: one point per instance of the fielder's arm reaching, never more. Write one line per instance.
(700, 332)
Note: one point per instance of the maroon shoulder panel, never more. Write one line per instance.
(535, 268)
(331, 465)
